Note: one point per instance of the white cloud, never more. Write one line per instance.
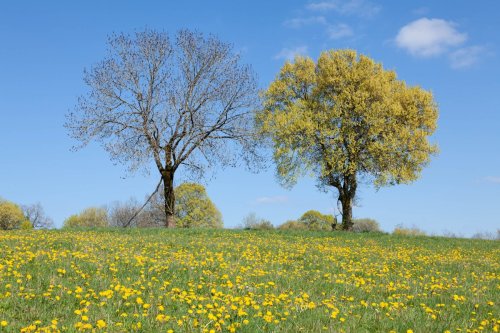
(429, 37)
(290, 54)
(466, 56)
(493, 179)
(300, 22)
(340, 30)
(272, 200)
(346, 7)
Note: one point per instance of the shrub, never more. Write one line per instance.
(452, 234)
(72, 222)
(94, 217)
(314, 220)
(413, 231)
(264, 225)
(487, 235)
(26, 225)
(365, 225)
(252, 222)
(89, 217)
(11, 215)
(292, 225)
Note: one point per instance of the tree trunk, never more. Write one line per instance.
(169, 202)
(346, 212)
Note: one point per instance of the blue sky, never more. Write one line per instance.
(450, 48)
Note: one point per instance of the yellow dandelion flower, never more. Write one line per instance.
(101, 323)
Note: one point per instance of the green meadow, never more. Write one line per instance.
(201, 280)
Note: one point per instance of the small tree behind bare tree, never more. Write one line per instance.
(184, 104)
(122, 214)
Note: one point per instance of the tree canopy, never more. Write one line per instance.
(11, 215)
(194, 207)
(347, 119)
(89, 217)
(314, 220)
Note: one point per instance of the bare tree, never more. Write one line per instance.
(155, 210)
(185, 104)
(133, 214)
(36, 215)
(121, 214)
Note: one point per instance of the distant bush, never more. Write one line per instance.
(365, 225)
(314, 220)
(252, 222)
(90, 217)
(11, 215)
(264, 225)
(71, 222)
(452, 234)
(292, 225)
(487, 235)
(413, 231)
(26, 225)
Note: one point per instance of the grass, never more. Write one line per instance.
(154, 280)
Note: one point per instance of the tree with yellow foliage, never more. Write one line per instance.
(194, 207)
(347, 120)
(92, 217)
(11, 215)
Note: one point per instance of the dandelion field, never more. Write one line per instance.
(153, 280)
